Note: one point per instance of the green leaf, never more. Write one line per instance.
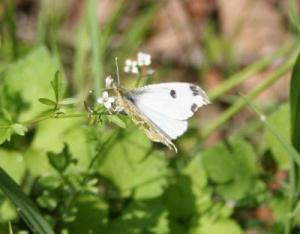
(91, 216)
(49, 136)
(47, 102)
(5, 122)
(19, 129)
(5, 132)
(180, 191)
(141, 216)
(132, 165)
(57, 86)
(6, 115)
(293, 15)
(223, 226)
(28, 79)
(25, 206)
(14, 164)
(295, 104)
(279, 120)
(60, 161)
(116, 120)
(232, 167)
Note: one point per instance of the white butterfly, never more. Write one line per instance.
(162, 110)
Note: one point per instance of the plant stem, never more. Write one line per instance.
(241, 103)
(247, 72)
(81, 53)
(95, 41)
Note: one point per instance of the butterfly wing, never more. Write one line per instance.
(176, 100)
(168, 105)
(169, 127)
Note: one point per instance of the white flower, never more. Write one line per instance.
(143, 59)
(131, 66)
(109, 82)
(106, 100)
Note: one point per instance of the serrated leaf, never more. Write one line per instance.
(5, 126)
(19, 129)
(116, 120)
(5, 134)
(47, 102)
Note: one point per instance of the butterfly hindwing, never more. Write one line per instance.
(171, 128)
(175, 100)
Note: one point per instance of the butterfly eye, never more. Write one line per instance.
(173, 93)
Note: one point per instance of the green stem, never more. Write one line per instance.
(241, 103)
(291, 197)
(138, 79)
(95, 39)
(247, 72)
(81, 53)
(42, 118)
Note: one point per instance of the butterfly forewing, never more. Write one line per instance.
(176, 100)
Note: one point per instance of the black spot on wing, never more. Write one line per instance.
(173, 93)
(195, 90)
(194, 107)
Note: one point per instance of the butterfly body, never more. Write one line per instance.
(162, 110)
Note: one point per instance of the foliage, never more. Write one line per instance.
(68, 165)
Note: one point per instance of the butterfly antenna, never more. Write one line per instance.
(118, 73)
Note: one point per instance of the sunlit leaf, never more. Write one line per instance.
(57, 86)
(280, 121)
(30, 78)
(47, 102)
(232, 167)
(19, 129)
(131, 165)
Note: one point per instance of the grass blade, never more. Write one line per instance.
(251, 95)
(248, 72)
(95, 39)
(295, 104)
(25, 206)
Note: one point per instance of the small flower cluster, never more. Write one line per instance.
(107, 101)
(133, 66)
